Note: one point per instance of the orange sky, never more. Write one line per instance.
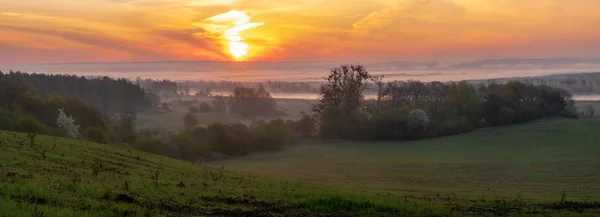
(39, 31)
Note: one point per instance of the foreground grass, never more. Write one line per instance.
(49, 176)
(538, 161)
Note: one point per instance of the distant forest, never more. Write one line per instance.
(106, 94)
(577, 84)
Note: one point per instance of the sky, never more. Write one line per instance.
(48, 31)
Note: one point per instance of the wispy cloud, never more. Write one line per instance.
(382, 18)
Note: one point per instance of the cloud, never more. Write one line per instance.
(382, 18)
(204, 3)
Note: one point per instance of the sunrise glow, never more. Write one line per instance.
(38, 31)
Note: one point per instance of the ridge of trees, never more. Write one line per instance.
(106, 94)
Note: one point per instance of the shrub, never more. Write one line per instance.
(190, 120)
(205, 108)
(193, 110)
(97, 135)
(219, 103)
(189, 149)
(151, 144)
(28, 124)
(417, 121)
(506, 115)
(453, 126)
(591, 111)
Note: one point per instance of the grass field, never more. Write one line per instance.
(535, 161)
(48, 176)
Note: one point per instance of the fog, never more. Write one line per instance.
(307, 72)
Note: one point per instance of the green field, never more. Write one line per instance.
(537, 160)
(50, 176)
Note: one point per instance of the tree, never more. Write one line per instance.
(204, 108)
(67, 123)
(591, 110)
(417, 121)
(252, 101)
(190, 120)
(193, 110)
(339, 109)
(124, 127)
(219, 103)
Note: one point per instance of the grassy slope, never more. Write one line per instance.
(537, 160)
(58, 177)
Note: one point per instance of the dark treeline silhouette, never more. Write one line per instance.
(581, 83)
(162, 88)
(23, 109)
(107, 94)
(167, 88)
(413, 109)
(252, 101)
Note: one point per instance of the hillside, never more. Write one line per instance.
(48, 176)
(57, 177)
(537, 160)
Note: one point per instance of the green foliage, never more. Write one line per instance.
(251, 101)
(96, 134)
(152, 144)
(21, 123)
(190, 120)
(219, 103)
(444, 109)
(107, 94)
(341, 100)
(189, 149)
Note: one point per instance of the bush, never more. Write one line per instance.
(417, 121)
(219, 103)
(151, 144)
(193, 110)
(189, 149)
(190, 121)
(453, 126)
(506, 115)
(205, 108)
(224, 139)
(28, 124)
(97, 135)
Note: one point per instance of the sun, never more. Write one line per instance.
(238, 49)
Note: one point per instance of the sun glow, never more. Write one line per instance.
(230, 26)
(238, 49)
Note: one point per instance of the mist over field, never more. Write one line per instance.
(316, 71)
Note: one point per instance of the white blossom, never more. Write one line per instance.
(417, 120)
(67, 123)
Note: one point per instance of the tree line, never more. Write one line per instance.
(220, 140)
(106, 94)
(415, 110)
(24, 109)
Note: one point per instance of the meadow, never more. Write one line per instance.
(50, 176)
(543, 160)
